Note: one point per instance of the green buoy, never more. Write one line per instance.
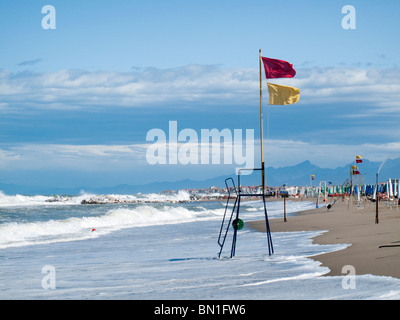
(240, 224)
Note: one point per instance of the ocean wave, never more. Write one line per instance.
(15, 234)
(77, 222)
(56, 200)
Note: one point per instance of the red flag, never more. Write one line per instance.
(275, 68)
(356, 172)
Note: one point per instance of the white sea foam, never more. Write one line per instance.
(38, 200)
(21, 233)
(27, 233)
(148, 252)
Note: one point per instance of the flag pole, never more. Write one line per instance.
(261, 130)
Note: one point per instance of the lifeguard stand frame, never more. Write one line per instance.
(225, 225)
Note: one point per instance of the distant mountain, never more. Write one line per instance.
(298, 175)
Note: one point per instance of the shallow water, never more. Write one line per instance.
(162, 251)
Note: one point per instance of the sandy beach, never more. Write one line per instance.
(347, 223)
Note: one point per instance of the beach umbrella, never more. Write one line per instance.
(387, 189)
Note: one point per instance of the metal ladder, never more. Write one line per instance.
(225, 225)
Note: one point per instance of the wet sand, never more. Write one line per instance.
(347, 223)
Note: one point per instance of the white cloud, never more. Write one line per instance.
(376, 87)
(207, 84)
(79, 157)
(7, 156)
(204, 84)
(277, 153)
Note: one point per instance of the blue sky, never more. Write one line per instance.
(77, 102)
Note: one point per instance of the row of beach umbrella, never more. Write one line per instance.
(390, 188)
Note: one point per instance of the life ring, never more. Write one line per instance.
(238, 225)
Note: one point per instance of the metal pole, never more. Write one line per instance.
(377, 201)
(269, 238)
(233, 250)
(284, 207)
(261, 129)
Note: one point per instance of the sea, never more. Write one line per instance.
(156, 247)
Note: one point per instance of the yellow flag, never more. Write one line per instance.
(354, 167)
(280, 95)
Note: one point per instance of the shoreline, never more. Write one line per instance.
(345, 223)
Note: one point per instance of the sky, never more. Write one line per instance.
(77, 101)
